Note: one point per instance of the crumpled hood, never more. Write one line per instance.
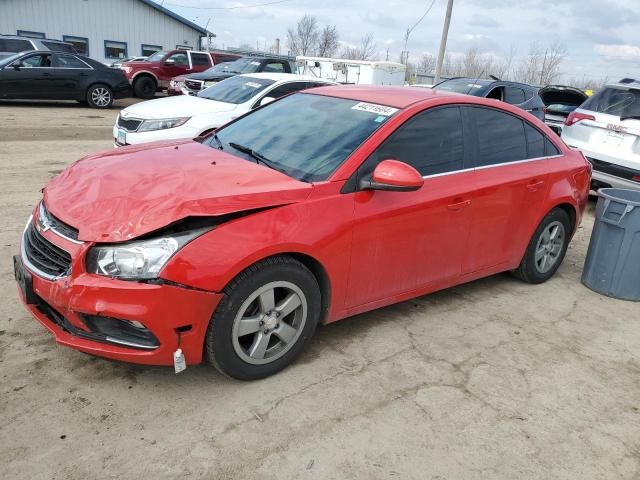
(121, 194)
(178, 106)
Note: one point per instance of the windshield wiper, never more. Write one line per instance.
(630, 117)
(215, 137)
(259, 158)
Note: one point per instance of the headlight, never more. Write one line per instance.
(209, 83)
(142, 259)
(175, 83)
(162, 124)
(126, 69)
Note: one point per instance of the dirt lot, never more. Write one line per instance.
(494, 379)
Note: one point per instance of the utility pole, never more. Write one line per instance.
(443, 41)
(544, 65)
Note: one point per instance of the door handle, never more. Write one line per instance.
(46, 74)
(534, 186)
(459, 205)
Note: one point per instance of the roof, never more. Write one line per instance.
(392, 96)
(286, 76)
(177, 17)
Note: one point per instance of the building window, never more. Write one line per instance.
(27, 33)
(113, 49)
(183, 47)
(148, 50)
(81, 44)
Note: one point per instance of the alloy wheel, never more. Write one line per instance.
(101, 96)
(549, 246)
(269, 322)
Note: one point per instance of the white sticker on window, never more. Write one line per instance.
(253, 84)
(255, 63)
(374, 108)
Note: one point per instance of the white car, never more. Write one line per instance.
(606, 128)
(187, 116)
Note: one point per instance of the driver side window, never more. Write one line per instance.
(179, 58)
(432, 142)
(34, 61)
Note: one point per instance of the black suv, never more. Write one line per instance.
(10, 44)
(199, 81)
(519, 94)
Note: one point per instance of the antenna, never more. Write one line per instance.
(474, 81)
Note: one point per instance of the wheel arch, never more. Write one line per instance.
(144, 73)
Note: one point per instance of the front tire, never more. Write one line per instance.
(145, 87)
(546, 249)
(99, 96)
(267, 316)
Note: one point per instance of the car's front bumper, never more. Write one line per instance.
(172, 313)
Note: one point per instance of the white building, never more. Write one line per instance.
(105, 30)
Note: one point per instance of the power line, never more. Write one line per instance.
(405, 54)
(228, 8)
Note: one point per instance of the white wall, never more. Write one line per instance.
(129, 21)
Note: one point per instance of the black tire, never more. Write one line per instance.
(99, 96)
(219, 341)
(530, 270)
(144, 87)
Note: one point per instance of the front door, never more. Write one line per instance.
(32, 79)
(403, 241)
(179, 64)
(70, 75)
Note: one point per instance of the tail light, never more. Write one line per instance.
(636, 178)
(545, 110)
(575, 117)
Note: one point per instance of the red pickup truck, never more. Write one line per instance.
(153, 74)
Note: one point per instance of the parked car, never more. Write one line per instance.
(196, 82)
(190, 116)
(118, 63)
(519, 94)
(560, 101)
(321, 205)
(606, 128)
(154, 73)
(176, 85)
(61, 76)
(12, 44)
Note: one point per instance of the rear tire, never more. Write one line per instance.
(99, 96)
(145, 87)
(546, 249)
(267, 316)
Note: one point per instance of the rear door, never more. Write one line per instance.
(200, 61)
(510, 181)
(69, 73)
(403, 241)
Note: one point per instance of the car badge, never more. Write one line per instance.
(616, 128)
(124, 114)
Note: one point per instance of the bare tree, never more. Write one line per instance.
(328, 41)
(364, 52)
(542, 66)
(303, 39)
(426, 64)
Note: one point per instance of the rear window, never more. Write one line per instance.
(14, 45)
(463, 85)
(59, 47)
(615, 101)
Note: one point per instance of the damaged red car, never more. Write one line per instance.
(234, 247)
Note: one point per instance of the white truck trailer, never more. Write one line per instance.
(360, 72)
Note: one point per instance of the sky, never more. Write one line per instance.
(602, 38)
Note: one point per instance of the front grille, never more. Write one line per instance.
(128, 124)
(193, 84)
(43, 255)
(57, 225)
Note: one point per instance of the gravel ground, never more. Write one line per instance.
(494, 379)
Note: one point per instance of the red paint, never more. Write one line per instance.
(398, 174)
(376, 247)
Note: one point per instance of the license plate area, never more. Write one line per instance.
(122, 137)
(24, 281)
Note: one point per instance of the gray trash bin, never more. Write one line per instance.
(612, 266)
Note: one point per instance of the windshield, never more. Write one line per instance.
(9, 59)
(306, 136)
(156, 57)
(235, 89)
(462, 85)
(615, 101)
(242, 65)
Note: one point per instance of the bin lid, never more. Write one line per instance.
(630, 197)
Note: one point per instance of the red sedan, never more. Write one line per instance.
(321, 205)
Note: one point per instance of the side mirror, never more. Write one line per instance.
(394, 176)
(266, 100)
(17, 66)
(169, 63)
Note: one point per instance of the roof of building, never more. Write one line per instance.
(177, 17)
